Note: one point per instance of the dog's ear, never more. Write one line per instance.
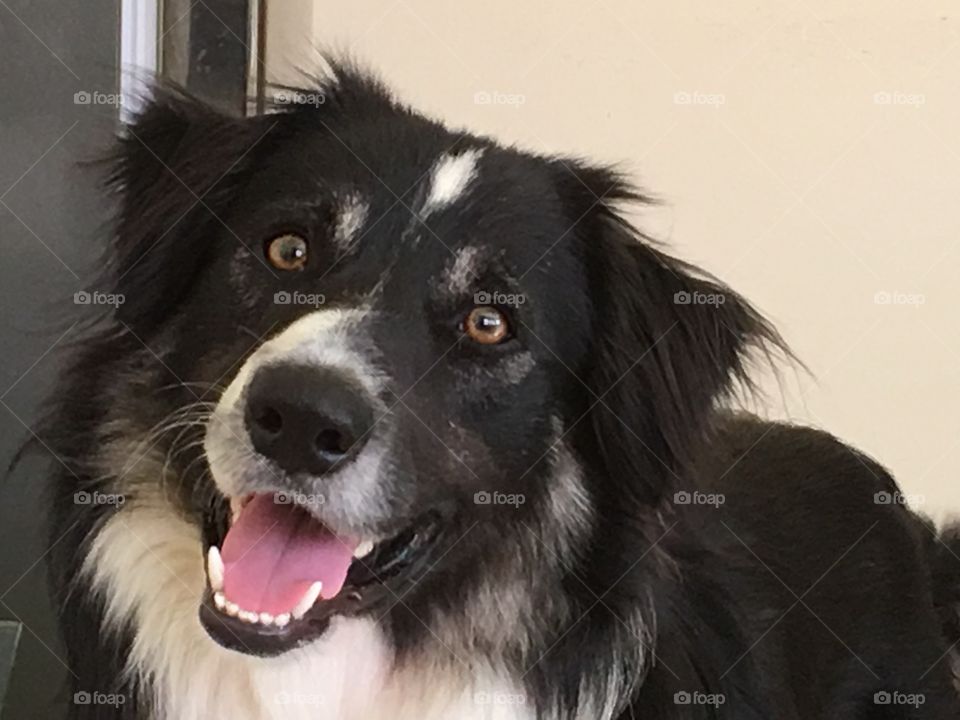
(669, 340)
(172, 171)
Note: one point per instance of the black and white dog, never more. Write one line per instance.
(397, 422)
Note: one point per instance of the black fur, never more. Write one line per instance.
(798, 598)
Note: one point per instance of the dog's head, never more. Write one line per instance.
(391, 349)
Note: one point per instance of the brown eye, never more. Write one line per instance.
(486, 325)
(287, 252)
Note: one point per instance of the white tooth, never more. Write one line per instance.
(232, 608)
(219, 600)
(307, 601)
(363, 549)
(215, 568)
(281, 620)
(266, 619)
(250, 617)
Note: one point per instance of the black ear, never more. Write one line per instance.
(172, 172)
(669, 341)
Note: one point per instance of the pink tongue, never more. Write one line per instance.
(274, 552)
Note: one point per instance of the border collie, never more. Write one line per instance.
(395, 421)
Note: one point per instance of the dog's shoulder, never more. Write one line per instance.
(749, 454)
(793, 493)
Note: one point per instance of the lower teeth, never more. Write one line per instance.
(247, 616)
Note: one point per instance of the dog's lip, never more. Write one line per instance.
(375, 562)
(260, 640)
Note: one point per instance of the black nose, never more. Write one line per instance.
(306, 419)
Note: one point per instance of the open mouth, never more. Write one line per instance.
(276, 574)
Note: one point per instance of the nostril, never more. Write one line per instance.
(332, 442)
(269, 420)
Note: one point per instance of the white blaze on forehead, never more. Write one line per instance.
(352, 213)
(450, 176)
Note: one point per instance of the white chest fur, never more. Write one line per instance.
(345, 676)
(148, 564)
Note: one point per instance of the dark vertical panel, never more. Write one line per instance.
(209, 49)
(59, 83)
(50, 218)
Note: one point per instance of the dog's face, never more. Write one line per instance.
(390, 331)
(404, 346)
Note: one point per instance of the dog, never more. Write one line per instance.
(395, 421)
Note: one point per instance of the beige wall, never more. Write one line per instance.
(807, 153)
